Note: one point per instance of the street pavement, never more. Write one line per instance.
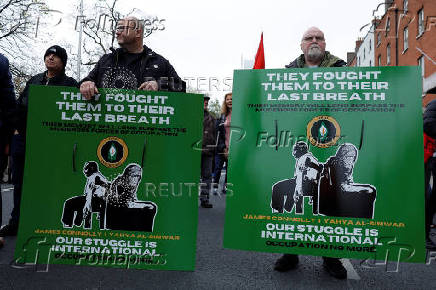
(216, 268)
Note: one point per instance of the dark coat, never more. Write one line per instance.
(209, 135)
(20, 117)
(329, 60)
(119, 69)
(221, 131)
(7, 96)
(430, 119)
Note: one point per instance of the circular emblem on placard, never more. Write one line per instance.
(112, 152)
(323, 131)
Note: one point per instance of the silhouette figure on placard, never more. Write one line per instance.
(339, 195)
(115, 202)
(80, 208)
(124, 210)
(330, 186)
(304, 183)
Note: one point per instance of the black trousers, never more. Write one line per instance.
(286, 188)
(18, 146)
(430, 193)
(280, 190)
(73, 211)
(97, 205)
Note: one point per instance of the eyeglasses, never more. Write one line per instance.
(310, 38)
(122, 28)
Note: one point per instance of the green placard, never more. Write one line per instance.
(111, 182)
(328, 162)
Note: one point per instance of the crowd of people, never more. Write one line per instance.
(215, 148)
(135, 66)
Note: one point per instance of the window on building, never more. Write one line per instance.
(370, 63)
(405, 5)
(388, 26)
(388, 54)
(370, 44)
(421, 64)
(379, 60)
(420, 21)
(364, 52)
(405, 38)
(378, 38)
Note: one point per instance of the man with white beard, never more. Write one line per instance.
(314, 55)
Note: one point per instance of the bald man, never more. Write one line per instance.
(132, 66)
(314, 55)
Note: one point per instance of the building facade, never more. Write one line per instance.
(364, 53)
(406, 36)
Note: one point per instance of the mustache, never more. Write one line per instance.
(314, 45)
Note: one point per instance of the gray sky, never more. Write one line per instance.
(207, 39)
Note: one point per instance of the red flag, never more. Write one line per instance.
(259, 62)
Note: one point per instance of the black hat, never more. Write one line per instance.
(206, 97)
(58, 51)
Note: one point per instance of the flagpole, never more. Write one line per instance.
(79, 49)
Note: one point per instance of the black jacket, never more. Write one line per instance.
(221, 134)
(209, 134)
(122, 70)
(430, 119)
(20, 117)
(7, 97)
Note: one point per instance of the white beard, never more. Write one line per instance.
(314, 53)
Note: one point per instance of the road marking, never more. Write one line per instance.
(351, 273)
